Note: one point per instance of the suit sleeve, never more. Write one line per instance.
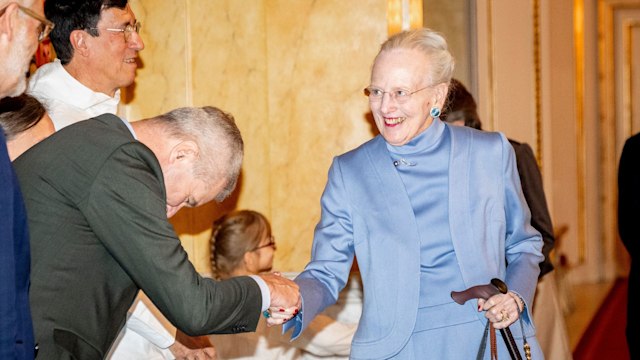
(126, 208)
(629, 195)
(533, 190)
(523, 244)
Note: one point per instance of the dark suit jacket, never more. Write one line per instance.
(629, 196)
(629, 229)
(531, 180)
(97, 214)
(16, 331)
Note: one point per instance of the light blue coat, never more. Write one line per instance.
(367, 213)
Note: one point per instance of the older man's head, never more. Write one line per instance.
(200, 151)
(22, 24)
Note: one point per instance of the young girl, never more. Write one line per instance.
(242, 244)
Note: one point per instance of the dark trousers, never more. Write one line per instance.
(633, 313)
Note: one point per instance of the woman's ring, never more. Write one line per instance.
(266, 314)
(505, 315)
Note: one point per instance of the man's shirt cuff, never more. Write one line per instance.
(264, 289)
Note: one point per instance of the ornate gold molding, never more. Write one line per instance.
(537, 80)
(578, 40)
(490, 78)
(627, 75)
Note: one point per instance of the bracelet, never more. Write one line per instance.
(518, 300)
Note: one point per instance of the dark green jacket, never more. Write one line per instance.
(96, 204)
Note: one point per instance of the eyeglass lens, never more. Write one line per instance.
(129, 29)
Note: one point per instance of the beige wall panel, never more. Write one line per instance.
(320, 53)
(514, 86)
(228, 69)
(161, 81)
(451, 17)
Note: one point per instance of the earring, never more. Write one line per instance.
(435, 112)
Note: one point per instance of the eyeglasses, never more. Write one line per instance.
(45, 25)
(127, 31)
(272, 243)
(400, 96)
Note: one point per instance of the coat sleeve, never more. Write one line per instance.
(533, 190)
(126, 208)
(523, 243)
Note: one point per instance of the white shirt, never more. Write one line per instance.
(66, 99)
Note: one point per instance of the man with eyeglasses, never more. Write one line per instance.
(96, 44)
(21, 26)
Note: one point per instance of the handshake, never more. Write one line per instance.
(285, 299)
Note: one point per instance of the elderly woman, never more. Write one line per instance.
(427, 209)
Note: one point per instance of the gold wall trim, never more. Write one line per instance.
(578, 39)
(490, 77)
(188, 52)
(628, 28)
(537, 81)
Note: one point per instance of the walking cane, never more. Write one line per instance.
(496, 286)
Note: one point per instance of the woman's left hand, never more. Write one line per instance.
(501, 309)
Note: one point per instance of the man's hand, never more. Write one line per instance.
(285, 298)
(193, 348)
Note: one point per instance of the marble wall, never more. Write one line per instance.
(290, 71)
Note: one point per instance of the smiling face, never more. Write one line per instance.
(403, 70)
(111, 59)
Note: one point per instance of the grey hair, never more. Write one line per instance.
(218, 139)
(432, 44)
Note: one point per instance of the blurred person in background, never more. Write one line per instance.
(25, 123)
(22, 25)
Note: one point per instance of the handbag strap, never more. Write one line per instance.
(527, 348)
(483, 342)
(511, 344)
(492, 340)
(489, 331)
